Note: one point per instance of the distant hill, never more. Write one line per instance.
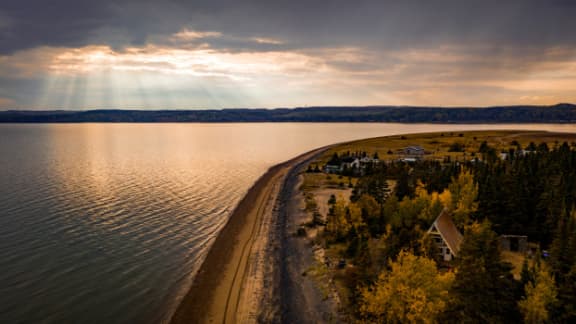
(560, 113)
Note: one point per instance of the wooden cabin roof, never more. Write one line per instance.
(448, 231)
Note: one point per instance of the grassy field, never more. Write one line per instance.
(516, 260)
(438, 144)
(322, 180)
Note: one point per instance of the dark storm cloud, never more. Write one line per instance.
(305, 24)
(177, 53)
(39, 23)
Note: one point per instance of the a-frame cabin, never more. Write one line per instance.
(446, 236)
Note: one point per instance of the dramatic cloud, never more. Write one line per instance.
(306, 23)
(218, 53)
(190, 35)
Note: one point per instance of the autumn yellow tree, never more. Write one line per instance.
(407, 213)
(369, 205)
(540, 296)
(431, 203)
(413, 291)
(464, 193)
(355, 215)
(424, 206)
(337, 222)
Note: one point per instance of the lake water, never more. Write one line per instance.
(107, 223)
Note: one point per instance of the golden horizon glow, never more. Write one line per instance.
(196, 74)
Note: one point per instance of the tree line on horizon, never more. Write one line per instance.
(560, 113)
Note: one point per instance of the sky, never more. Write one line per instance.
(179, 54)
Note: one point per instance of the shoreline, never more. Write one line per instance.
(248, 273)
(217, 291)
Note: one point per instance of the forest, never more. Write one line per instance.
(394, 273)
(560, 113)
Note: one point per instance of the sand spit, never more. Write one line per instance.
(244, 277)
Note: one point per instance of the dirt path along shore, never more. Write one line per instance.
(218, 292)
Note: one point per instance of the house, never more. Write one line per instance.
(345, 164)
(414, 151)
(367, 164)
(369, 161)
(446, 236)
(524, 152)
(332, 168)
(350, 163)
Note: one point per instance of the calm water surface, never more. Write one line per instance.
(107, 223)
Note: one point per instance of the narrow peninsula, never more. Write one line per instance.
(406, 228)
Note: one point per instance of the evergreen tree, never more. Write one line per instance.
(566, 308)
(561, 255)
(526, 274)
(403, 185)
(374, 185)
(563, 263)
(483, 290)
(335, 160)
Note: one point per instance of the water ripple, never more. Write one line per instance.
(108, 223)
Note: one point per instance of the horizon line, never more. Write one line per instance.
(281, 108)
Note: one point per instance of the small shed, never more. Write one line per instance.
(514, 243)
(331, 168)
(446, 236)
(408, 160)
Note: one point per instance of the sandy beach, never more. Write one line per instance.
(245, 277)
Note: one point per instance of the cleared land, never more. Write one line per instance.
(438, 146)
(441, 145)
